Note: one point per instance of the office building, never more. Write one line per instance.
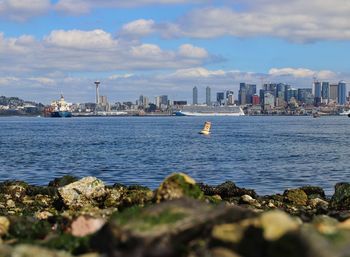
(342, 93)
(208, 96)
(195, 96)
(325, 92)
(220, 98)
(291, 93)
(230, 97)
(305, 96)
(246, 92)
(333, 92)
(317, 92)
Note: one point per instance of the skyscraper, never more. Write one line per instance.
(195, 96)
(317, 91)
(220, 97)
(208, 96)
(246, 92)
(230, 97)
(325, 92)
(333, 92)
(341, 92)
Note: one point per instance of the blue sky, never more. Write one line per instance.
(155, 47)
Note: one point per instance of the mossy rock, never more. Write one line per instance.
(16, 189)
(69, 243)
(63, 181)
(313, 191)
(341, 198)
(227, 190)
(27, 228)
(176, 186)
(296, 197)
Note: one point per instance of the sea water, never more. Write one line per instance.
(268, 154)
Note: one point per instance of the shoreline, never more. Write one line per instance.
(75, 217)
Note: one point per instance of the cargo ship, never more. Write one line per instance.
(59, 109)
(204, 110)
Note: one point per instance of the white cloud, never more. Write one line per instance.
(86, 51)
(21, 10)
(120, 76)
(188, 50)
(302, 73)
(80, 39)
(296, 21)
(43, 80)
(84, 6)
(198, 72)
(138, 28)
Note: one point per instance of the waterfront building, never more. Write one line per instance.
(208, 96)
(179, 103)
(220, 98)
(103, 104)
(342, 93)
(195, 96)
(325, 92)
(255, 100)
(333, 92)
(230, 97)
(269, 101)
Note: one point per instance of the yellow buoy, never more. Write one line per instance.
(206, 129)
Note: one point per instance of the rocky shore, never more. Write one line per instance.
(86, 218)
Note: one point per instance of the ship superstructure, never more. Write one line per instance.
(204, 110)
(60, 108)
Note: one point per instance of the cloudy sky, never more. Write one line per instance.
(155, 47)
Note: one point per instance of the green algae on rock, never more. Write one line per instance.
(341, 198)
(178, 185)
(295, 196)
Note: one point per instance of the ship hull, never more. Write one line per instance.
(61, 114)
(180, 113)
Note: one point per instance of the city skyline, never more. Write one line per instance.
(162, 47)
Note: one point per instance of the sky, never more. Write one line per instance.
(157, 47)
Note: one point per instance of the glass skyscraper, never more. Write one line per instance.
(195, 96)
(342, 93)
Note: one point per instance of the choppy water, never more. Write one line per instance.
(268, 154)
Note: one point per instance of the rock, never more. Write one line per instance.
(10, 204)
(317, 202)
(44, 215)
(249, 200)
(227, 190)
(163, 229)
(228, 233)
(341, 198)
(69, 243)
(63, 181)
(176, 186)
(28, 228)
(277, 223)
(325, 225)
(313, 191)
(87, 191)
(4, 226)
(222, 252)
(16, 189)
(84, 226)
(114, 198)
(30, 251)
(295, 196)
